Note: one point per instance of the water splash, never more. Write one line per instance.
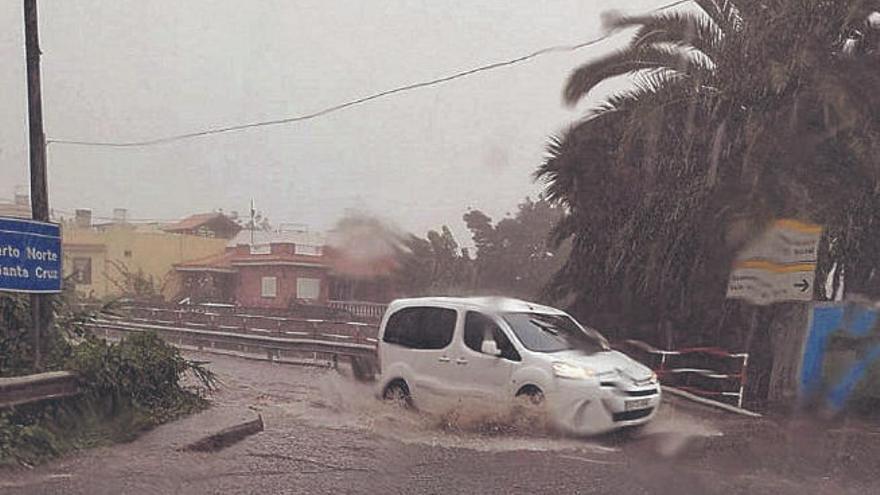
(337, 402)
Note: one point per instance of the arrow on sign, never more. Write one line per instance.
(803, 285)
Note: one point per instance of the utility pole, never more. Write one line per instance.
(39, 190)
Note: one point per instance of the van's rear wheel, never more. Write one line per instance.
(364, 369)
(398, 392)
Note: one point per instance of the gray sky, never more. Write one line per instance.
(132, 70)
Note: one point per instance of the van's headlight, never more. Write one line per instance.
(568, 370)
(654, 377)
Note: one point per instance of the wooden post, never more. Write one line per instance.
(40, 303)
(789, 335)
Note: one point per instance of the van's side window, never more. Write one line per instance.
(478, 327)
(421, 328)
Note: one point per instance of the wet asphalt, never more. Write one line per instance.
(326, 434)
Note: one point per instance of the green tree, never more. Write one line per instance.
(514, 257)
(738, 114)
(452, 268)
(435, 265)
(135, 284)
(415, 274)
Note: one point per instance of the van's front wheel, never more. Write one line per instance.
(531, 395)
(398, 392)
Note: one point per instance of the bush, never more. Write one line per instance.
(142, 369)
(15, 349)
(128, 387)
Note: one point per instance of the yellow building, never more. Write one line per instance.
(122, 259)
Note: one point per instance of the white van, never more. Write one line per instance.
(442, 350)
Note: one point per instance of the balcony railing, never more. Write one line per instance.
(361, 309)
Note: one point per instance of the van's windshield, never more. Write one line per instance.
(540, 332)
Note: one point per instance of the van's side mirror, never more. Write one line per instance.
(490, 347)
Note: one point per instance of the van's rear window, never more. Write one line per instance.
(421, 328)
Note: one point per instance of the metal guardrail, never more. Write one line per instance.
(319, 341)
(317, 347)
(28, 389)
(287, 340)
(212, 338)
(703, 371)
(282, 326)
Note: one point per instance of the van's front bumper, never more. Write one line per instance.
(586, 408)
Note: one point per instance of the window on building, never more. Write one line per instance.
(308, 288)
(307, 250)
(127, 253)
(269, 287)
(205, 231)
(421, 328)
(82, 271)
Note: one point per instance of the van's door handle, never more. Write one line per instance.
(443, 359)
(461, 361)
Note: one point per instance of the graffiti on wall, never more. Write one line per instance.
(842, 348)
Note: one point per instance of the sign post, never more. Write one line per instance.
(41, 314)
(780, 265)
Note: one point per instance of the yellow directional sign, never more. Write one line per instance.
(780, 265)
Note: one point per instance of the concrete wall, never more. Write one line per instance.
(841, 355)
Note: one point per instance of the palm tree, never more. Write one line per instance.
(738, 113)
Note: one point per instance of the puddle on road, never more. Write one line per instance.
(330, 399)
(333, 400)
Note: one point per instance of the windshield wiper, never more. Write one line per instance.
(549, 328)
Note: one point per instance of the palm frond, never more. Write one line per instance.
(645, 88)
(627, 61)
(683, 29)
(723, 13)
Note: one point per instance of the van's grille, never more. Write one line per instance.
(632, 415)
(631, 393)
(641, 393)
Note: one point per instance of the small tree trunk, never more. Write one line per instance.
(787, 336)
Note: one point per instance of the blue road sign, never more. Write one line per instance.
(30, 256)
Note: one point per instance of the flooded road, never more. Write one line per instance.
(327, 434)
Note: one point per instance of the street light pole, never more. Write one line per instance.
(37, 139)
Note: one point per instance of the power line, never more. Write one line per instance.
(351, 103)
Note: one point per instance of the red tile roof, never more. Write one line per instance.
(230, 260)
(193, 222)
(222, 261)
